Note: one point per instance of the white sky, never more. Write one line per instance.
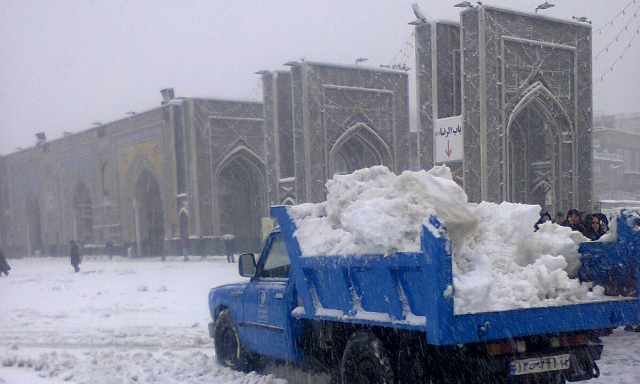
(66, 64)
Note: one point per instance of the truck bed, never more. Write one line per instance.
(414, 291)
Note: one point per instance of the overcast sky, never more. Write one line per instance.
(67, 64)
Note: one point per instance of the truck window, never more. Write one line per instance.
(277, 264)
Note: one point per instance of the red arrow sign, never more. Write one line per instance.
(448, 151)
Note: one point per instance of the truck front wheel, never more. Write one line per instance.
(366, 360)
(229, 349)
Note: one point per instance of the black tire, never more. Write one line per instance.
(410, 364)
(228, 348)
(366, 360)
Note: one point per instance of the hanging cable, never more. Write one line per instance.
(617, 37)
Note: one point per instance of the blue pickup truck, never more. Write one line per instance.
(387, 319)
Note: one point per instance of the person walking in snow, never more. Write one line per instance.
(4, 266)
(108, 249)
(229, 246)
(75, 256)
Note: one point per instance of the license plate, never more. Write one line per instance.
(540, 364)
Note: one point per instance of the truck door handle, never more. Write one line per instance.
(278, 296)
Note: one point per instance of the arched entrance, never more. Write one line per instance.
(148, 216)
(34, 228)
(539, 152)
(240, 198)
(82, 214)
(358, 147)
(183, 221)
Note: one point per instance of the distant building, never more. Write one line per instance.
(504, 99)
(143, 182)
(616, 157)
(177, 178)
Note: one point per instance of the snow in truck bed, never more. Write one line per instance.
(499, 261)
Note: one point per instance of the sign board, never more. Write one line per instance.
(448, 139)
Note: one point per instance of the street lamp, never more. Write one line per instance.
(464, 4)
(545, 5)
(420, 17)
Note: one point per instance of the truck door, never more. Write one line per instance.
(267, 303)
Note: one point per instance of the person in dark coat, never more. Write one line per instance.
(592, 227)
(544, 217)
(604, 222)
(75, 256)
(574, 221)
(108, 249)
(4, 266)
(229, 246)
(559, 218)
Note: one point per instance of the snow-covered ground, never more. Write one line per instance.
(144, 320)
(117, 321)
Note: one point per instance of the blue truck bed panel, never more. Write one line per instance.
(413, 291)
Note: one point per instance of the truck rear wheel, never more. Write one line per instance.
(229, 349)
(366, 360)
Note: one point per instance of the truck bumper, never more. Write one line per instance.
(583, 365)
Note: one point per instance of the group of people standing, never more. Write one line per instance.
(592, 225)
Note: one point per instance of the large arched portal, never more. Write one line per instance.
(82, 214)
(539, 152)
(34, 228)
(149, 216)
(358, 147)
(183, 221)
(240, 199)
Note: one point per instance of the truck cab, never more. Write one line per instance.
(260, 308)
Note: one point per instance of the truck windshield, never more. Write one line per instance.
(277, 264)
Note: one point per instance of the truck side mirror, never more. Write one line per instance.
(247, 265)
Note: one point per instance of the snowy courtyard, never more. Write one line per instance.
(144, 320)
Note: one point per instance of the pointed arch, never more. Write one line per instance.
(539, 93)
(539, 150)
(78, 211)
(288, 201)
(150, 215)
(34, 224)
(143, 207)
(358, 147)
(183, 223)
(239, 185)
(82, 213)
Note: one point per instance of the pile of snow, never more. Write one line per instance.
(499, 261)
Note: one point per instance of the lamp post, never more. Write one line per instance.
(545, 5)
